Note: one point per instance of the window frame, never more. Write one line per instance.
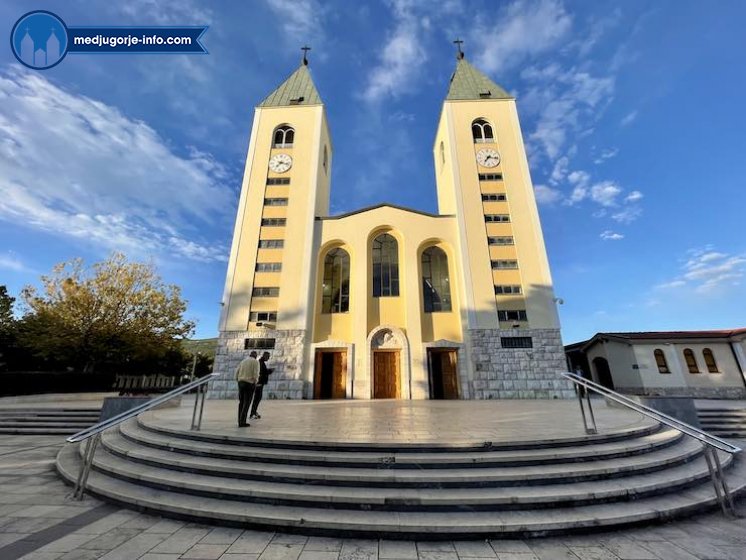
(482, 125)
(274, 222)
(499, 264)
(691, 364)
(497, 218)
(490, 241)
(255, 316)
(662, 363)
(511, 287)
(435, 299)
(265, 291)
(503, 315)
(284, 130)
(711, 364)
(337, 301)
(271, 244)
(387, 271)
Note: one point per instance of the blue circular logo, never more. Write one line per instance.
(39, 40)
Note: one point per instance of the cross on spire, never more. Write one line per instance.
(305, 50)
(458, 42)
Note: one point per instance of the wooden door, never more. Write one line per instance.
(449, 369)
(386, 375)
(339, 373)
(330, 376)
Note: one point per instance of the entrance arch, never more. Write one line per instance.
(603, 373)
(388, 363)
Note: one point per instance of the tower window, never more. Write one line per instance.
(271, 243)
(265, 292)
(274, 222)
(490, 176)
(278, 180)
(283, 137)
(269, 267)
(503, 290)
(335, 290)
(512, 315)
(481, 130)
(505, 265)
(710, 362)
(436, 289)
(496, 218)
(256, 316)
(691, 361)
(385, 266)
(507, 240)
(494, 197)
(275, 201)
(660, 361)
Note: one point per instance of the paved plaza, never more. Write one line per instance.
(39, 521)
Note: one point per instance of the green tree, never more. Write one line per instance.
(7, 327)
(111, 314)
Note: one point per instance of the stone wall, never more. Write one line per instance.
(286, 358)
(518, 373)
(693, 392)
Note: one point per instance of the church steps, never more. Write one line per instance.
(646, 427)
(405, 525)
(644, 444)
(46, 421)
(408, 499)
(474, 476)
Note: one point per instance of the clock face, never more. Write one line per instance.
(280, 163)
(488, 158)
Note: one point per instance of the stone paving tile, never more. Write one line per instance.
(221, 535)
(734, 552)
(329, 544)
(288, 538)
(403, 550)
(111, 539)
(81, 554)
(36, 555)
(134, 548)
(593, 553)
(435, 546)
(666, 550)
(151, 556)
(277, 551)
(8, 538)
(545, 549)
(626, 549)
(509, 545)
(319, 555)
(516, 556)
(141, 521)
(166, 526)
(182, 540)
(437, 554)
(107, 523)
(67, 543)
(250, 542)
(359, 549)
(205, 552)
(239, 557)
(474, 549)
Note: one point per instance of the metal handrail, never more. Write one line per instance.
(127, 414)
(708, 441)
(670, 421)
(96, 431)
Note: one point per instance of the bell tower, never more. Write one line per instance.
(268, 287)
(483, 179)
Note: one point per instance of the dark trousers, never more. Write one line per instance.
(258, 392)
(245, 393)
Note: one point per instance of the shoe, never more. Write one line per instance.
(255, 417)
(244, 425)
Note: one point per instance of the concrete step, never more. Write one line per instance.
(645, 428)
(38, 431)
(374, 458)
(410, 476)
(396, 524)
(45, 424)
(49, 411)
(407, 499)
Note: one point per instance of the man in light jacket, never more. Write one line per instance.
(247, 374)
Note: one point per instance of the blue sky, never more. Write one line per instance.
(632, 114)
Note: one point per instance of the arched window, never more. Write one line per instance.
(481, 130)
(712, 365)
(283, 137)
(385, 266)
(660, 360)
(335, 289)
(691, 361)
(436, 289)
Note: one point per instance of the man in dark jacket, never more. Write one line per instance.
(264, 373)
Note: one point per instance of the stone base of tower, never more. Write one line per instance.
(518, 373)
(286, 381)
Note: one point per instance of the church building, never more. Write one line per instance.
(388, 302)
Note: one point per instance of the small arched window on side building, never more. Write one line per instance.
(436, 290)
(283, 137)
(712, 365)
(691, 361)
(660, 361)
(481, 130)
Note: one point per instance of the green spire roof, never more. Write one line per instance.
(469, 83)
(298, 89)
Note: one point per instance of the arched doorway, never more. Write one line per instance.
(389, 363)
(603, 373)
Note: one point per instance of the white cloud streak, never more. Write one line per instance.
(77, 167)
(708, 272)
(609, 235)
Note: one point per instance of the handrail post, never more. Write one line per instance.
(85, 470)
(196, 406)
(579, 392)
(199, 408)
(724, 497)
(590, 412)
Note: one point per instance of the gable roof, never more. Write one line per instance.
(382, 205)
(468, 83)
(662, 335)
(298, 89)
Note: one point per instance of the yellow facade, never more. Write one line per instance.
(470, 289)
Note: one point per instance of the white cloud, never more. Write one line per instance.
(9, 261)
(559, 171)
(629, 118)
(301, 20)
(605, 193)
(523, 29)
(546, 195)
(609, 235)
(606, 154)
(708, 272)
(627, 215)
(634, 196)
(78, 167)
